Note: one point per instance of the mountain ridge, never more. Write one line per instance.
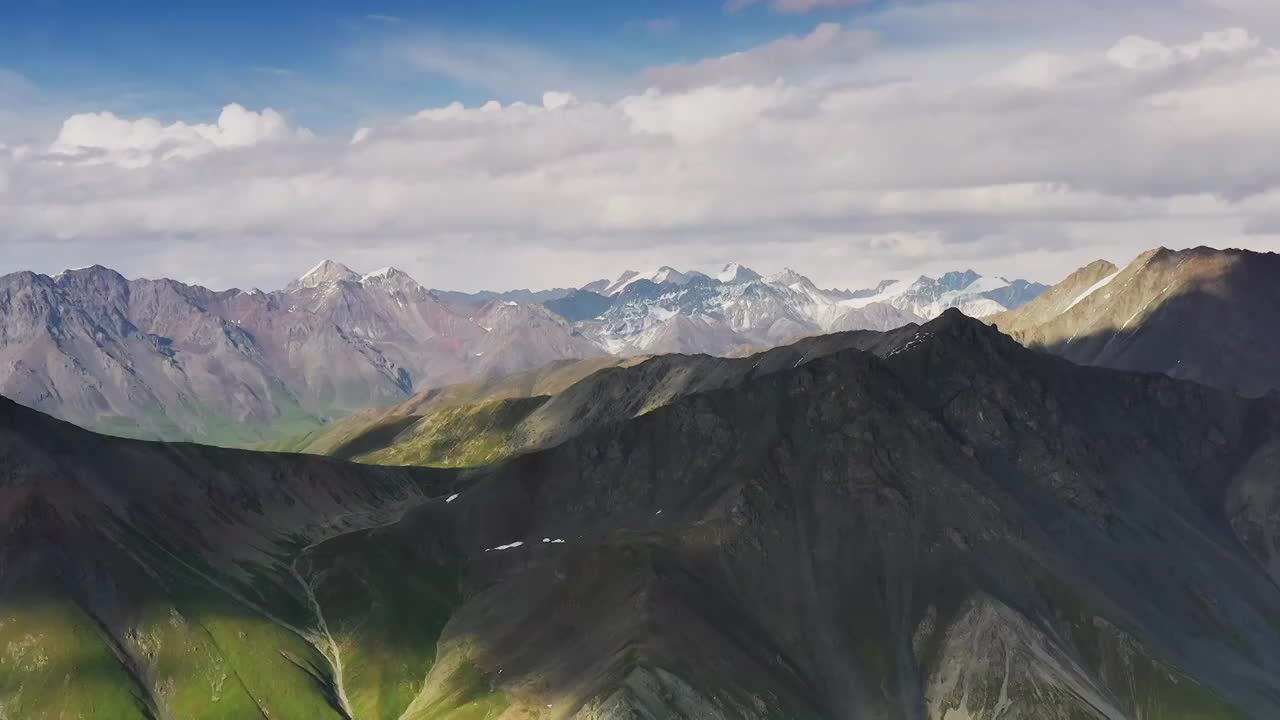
(168, 360)
(1201, 314)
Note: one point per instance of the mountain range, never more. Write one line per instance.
(167, 360)
(930, 523)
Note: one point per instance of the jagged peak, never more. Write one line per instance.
(390, 277)
(953, 329)
(736, 273)
(788, 277)
(90, 271)
(959, 279)
(326, 271)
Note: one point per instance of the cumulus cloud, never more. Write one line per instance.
(1037, 160)
(103, 136)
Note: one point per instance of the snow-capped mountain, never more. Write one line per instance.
(662, 276)
(969, 292)
(738, 308)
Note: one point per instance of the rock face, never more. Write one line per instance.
(948, 526)
(1201, 314)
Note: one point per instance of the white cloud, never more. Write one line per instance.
(1139, 53)
(829, 44)
(103, 136)
(1026, 162)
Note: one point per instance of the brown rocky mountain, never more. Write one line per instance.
(1200, 314)
(157, 358)
(950, 526)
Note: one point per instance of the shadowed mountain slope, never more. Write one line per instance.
(956, 527)
(1200, 314)
(467, 428)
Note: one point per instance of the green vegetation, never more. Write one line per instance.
(386, 603)
(56, 662)
(468, 694)
(214, 428)
(459, 436)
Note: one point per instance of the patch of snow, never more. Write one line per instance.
(1093, 289)
(451, 498)
(915, 340)
(508, 546)
(986, 284)
(314, 270)
(735, 272)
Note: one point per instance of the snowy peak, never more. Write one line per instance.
(330, 272)
(389, 278)
(665, 275)
(971, 293)
(327, 271)
(788, 277)
(734, 273)
(625, 279)
(671, 275)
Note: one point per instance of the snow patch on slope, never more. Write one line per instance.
(1093, 289)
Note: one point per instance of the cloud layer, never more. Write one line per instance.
(819, 150)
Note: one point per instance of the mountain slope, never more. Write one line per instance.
(146, 580)
(1200, 314)
(497, 426)
(367, 430)
(956, 527)
(997, 549)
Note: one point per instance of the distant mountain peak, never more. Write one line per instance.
(788, 277)
(661, 276)
(959, 279)
(390, 278)
(326, 271)
(733, 273)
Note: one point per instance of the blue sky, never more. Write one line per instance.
(328, 62)
(236, 143)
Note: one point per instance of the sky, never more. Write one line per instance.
(500, 144)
